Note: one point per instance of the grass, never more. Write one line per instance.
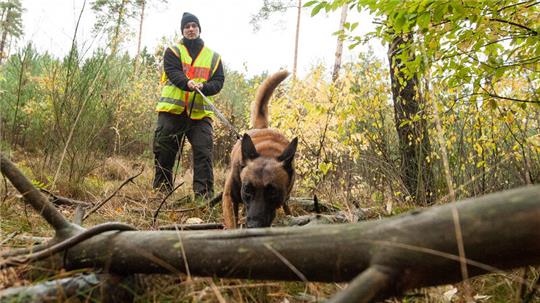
(135, 204)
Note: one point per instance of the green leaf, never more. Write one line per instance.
(423, 20)
(310, 3)
(318, 8)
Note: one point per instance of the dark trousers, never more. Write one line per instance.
(167, 139)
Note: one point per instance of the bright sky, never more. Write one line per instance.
(225, 28)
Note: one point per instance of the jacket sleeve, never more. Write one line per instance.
(214, 84)
(173, 69)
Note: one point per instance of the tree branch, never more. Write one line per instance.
(400, 243)
(530, 30)
(33, 197)
(372, 282)
(100, 204)
(85, 288)
(65, 244)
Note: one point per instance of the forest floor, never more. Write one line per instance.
(136, 203)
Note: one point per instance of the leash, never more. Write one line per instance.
(220, 116)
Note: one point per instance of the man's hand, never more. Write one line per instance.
(192, 85)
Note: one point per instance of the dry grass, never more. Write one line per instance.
(135, 204)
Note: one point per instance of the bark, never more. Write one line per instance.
(115, 41)
(85, 288)
(296, 39)
(416, 258)
(139, 39)
(59, 200)
(411, 126)
(339, 47)
(5, 17)
(33, 197)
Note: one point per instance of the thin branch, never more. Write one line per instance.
(530, 30)
(535, 286)
(25, 250)
(4, 198)
(508, 98)
(32, 195)
(513, 5)
(216, 199)
(366, 286)
(100, 204)
(78, 216)
(202, 226)
(59, 200)
(67, 243)
(156, 213)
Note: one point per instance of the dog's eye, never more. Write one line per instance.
(249, 189)
(271, 191)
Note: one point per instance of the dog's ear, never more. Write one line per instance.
(248, 149)
(288, 154)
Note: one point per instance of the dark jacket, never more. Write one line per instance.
(173, 69)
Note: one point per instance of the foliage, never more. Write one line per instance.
(10, 22)
(234, 102)
(346, 139)
(268, 8)
(77, 110)
(479, 63)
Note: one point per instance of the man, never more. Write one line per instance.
(183, 112)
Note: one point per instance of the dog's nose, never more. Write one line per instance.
(257, 223)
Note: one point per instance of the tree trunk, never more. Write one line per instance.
(5, 17)
(339, 47)
(296, 38)
(115, 41)
(137, 59)
(411, 126)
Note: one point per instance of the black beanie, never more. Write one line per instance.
(187, 17)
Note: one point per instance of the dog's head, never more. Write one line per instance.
(266, 182)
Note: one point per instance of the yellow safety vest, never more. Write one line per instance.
(175, 100)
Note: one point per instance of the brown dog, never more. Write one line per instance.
(262, 167)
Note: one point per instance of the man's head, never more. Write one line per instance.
(191, 28)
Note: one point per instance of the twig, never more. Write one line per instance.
(24, 250)
(297, 272)
(9, 237)
(65, 244)
(202, 226)
(181, 210)
(59, 200)
(316, 204)
(365, 287)
(4, 198)
(216, 199)
(535, 285)
(32, 195)
(156, 213)
(78, 216)
(100, 204)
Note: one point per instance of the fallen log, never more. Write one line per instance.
(500, 231)
(80, 288)
(420, 248)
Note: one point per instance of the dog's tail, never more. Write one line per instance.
(259, 109)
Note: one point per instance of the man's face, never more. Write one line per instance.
(191, 31)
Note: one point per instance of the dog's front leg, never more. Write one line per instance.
(229, 215)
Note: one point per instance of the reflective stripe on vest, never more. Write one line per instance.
(173, 99)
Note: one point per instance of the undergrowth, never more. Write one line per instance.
(136, 203)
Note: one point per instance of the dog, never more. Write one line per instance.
(262, 166)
